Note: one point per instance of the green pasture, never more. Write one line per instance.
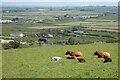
(36, 62)
(90, 23)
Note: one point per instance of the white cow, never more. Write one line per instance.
(56, 58)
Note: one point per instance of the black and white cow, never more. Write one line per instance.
(107, 60)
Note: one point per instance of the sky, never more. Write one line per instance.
(60, 0)
(21, 3)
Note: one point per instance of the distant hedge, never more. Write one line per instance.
(11, 44)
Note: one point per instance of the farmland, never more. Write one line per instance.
(85, 29)
(36, 62)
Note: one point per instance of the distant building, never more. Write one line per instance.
(47, 35)
(38, 21)
(84, 16)
(78, 32)
(5, 41)
(5, 21)
(1, 36)
(17, 35)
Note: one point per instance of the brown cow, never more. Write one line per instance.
(102, 54)
(71, 57)
(71, 53)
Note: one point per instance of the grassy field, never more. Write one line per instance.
(36, 62)
(102, 24)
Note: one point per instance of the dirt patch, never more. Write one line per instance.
(104, 28)
(47, 27)
(47, 13)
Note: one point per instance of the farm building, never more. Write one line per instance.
(5, 41)
(38, 21)
(84, 17)
(80, 17)
(17, 35)
(1, 36)
(78, 32)
(5, 21)
(47, 35)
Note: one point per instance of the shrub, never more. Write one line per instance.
(72, 41)
(111, 41)
(41, 41)
(14, 44)
(31, 42)
(6, 45)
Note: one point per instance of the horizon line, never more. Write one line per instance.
(57, 4)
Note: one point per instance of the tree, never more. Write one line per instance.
(41, 41)
(11, 44)
(14, 44)
(71, 41)
(6, 45)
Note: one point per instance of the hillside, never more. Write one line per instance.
(36, 62)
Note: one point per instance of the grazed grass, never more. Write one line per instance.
(36, 62)
(91, 23)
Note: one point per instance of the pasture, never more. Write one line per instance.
(36, 62)
(100, 24)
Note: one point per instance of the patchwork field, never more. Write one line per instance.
(53, 13)
(36, 62)
(47, 27)
(91, 23)
(107, 25)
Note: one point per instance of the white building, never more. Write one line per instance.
(5, 41)
(17, 34)
(5, 21)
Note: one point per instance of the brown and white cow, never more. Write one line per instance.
(72, 53)
(102, 54)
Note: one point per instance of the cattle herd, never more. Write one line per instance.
(79, 56)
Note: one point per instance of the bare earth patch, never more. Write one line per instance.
(104, 28)
(46, 27)
(110, 27)
(47, 13)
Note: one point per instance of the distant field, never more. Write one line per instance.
(55, 13)
(46, 13)
(91, 23)
(12, 16)
(46, 27)
(105, 24)
(36, 62)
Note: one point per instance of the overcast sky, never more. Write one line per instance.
(24, 3)
(60, 0)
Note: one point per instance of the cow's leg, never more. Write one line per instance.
(99, 56)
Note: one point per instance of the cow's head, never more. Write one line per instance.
(68, 52)
(96, 53)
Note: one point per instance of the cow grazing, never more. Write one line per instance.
(71, 53)
(55, 58)
(81, 60)
(102, 54)
(107, 60)
(71, 57)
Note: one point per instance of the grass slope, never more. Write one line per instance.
(36, 62)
